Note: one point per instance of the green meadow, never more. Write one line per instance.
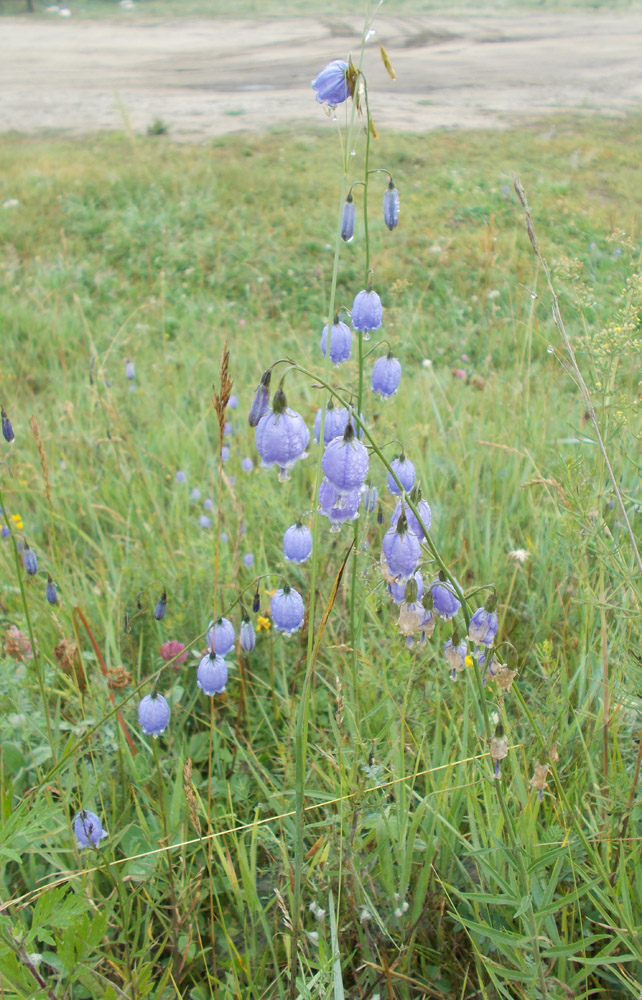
(368, 849)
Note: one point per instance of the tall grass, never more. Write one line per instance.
(436, 879)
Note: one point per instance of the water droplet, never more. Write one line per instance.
(371, 33)
(550, 349)
(533, 295)
(353, 152)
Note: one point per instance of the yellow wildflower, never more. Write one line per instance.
(262, 622)
(17, 520)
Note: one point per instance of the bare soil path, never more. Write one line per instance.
(208, 78)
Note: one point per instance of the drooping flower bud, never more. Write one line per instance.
(391, 205)
(161, 607)
(29, 560)
(7, 429)
(297, 543)
(51, 593)
(220, 637)
(347, 219)
(261, 402)
(405, 472)
(247, 635)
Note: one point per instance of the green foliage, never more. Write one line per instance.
(436, 879)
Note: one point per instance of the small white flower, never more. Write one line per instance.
(10, 203)
(365, 915)
(519, 555)
(317, 912)
(313, 938)
(426, 363)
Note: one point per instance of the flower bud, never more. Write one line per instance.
(7, 429)
(347, 220)
(161, 607)
(261, 402)
(391, 205)
(51, 593)
(29, 560)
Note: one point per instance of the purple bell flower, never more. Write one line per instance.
(340, 341)
(367, 312)
(297, 543)
(130, 370)
(386, 376)
(180, 476)
(261, 402)
(413, 523)
(483, 625)
(391, 205)
(88, 829)
(405, 473)
(455, 654)
(347, 219)
(225, 453)
(331, 84)
(345, 462)
(336, 421)
(247, 464)
(401, 550)
(29, 561)
(247, 635)
(338, 507)
(370, 497)
(153, 714)
(220, 637)
(195, 494)
(233, 402)
(7, 429)
(444, 602)
(281, 437)
(211, 675)
(398, 590)
(287, 610)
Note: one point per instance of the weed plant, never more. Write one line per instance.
(343, 819)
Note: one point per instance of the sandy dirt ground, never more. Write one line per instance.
(209, 78)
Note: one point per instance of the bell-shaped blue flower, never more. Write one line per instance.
(455, 653)
(247, 635)
(397, 590)
(340, 341)
(153, 714)
(401, 550)
(347, 219)
(413, 523)
(405, 472)
(287, 610)
(445, 603)
(367, 312)
(281, 436)
(484, 624)
(336, 421)
(370, 497)
(211, 675)
(220, 637)
(386, 376)
(338, 507)
(88, 829)
(331, 84)
(261, 402)
(346, 461)
(391, 205)
(297, 543)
